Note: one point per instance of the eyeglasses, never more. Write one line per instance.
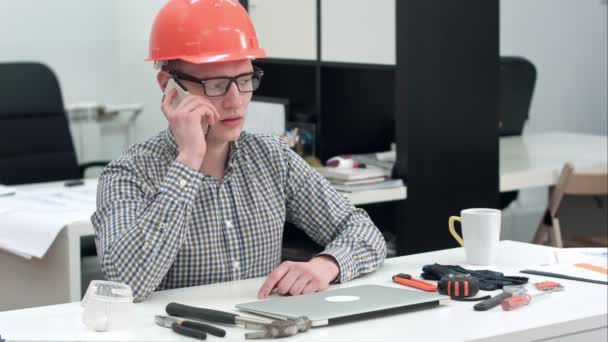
(218, 86)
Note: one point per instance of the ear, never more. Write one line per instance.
(163, 77)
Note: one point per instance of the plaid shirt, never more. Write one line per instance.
(161, 225)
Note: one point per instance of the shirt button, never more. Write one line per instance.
(183, 182)
(236, 265)
(229, 224)
(162, 225)
(146, 245)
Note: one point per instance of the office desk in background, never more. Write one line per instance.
(536, 160)
(578, 313)
(525, 162)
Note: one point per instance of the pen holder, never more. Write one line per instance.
(108, 305)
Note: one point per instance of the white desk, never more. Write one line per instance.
(579, 313)
(536, 160)
(55, 278)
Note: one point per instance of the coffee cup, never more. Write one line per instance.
(480, 234)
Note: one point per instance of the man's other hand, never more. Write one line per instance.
(295, 278)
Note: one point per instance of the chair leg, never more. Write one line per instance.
(556, 233)
(541, 234)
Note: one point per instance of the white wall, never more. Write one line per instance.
(133, 20)
(74, 37)
(566, 40)
(96, 47)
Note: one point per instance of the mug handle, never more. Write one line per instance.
(453, 230)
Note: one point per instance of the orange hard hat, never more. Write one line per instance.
(203, 31)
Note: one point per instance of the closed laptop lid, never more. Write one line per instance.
(325, 307)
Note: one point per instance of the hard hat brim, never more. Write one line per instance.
(219, 57)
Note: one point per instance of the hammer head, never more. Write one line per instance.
(281, 328)
(303, 323)
(276, 329)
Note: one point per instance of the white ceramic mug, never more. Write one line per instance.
(480, 234)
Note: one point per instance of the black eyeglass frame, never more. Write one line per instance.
(257, 72)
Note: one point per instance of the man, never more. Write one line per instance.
(204, 202)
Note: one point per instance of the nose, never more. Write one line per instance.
(232, 98)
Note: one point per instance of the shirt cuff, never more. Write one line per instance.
(181, 183)
(346, 263)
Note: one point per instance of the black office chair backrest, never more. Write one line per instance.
(517, 80)
(35, 140)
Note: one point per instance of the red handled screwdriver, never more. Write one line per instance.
(521, 299)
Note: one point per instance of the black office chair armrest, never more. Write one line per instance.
(84, 166)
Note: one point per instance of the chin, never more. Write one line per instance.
(228, 135)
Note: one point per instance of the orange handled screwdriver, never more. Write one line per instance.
(522, 299)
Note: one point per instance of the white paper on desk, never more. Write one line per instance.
(569, 258)
(570, 270)
(30, 221)
(595, 256)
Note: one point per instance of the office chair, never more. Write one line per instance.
(517, 80)
(577, 210)
(35, 140)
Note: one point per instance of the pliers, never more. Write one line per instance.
(188, 328)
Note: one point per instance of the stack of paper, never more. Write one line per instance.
(31, 219)
(359, 179)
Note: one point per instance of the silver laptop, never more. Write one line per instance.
(341, 305)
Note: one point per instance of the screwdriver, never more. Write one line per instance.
(521, 299)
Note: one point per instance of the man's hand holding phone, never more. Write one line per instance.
(188, 120)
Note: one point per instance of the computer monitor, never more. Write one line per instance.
(267, 115)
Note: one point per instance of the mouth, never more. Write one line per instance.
(233, 121)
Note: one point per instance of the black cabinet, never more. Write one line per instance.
(438, 102)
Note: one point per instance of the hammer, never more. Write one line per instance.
(269, 328)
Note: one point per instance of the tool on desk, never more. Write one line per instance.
(460, 287)
(523, 298)
(488, 280)
(407, 280)
(74, 182)
(563, 276)
(546, 285)
(269, 328)
(492, 302)
(188, 328)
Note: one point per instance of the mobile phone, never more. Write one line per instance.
(181, 92)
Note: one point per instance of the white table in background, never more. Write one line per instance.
(579, 313)
(537, 159)
(53, 279)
